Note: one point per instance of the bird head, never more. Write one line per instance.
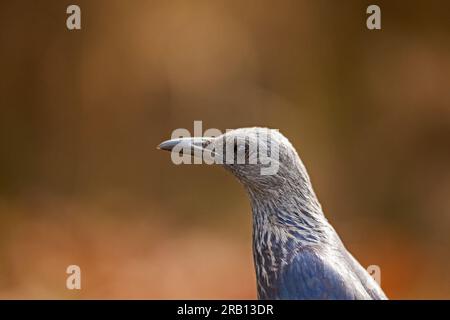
(261, 158)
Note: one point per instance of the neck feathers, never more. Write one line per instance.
(283, 225)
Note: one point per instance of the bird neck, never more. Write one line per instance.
(287, 223)
(282, 226)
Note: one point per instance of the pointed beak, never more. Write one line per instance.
(188, 145)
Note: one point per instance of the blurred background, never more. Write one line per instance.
(81, 181)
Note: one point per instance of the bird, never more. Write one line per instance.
(297, 253)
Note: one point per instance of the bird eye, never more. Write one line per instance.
(241, 151)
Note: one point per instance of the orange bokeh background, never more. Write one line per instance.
(81, 181)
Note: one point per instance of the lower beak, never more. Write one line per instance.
(187, 145)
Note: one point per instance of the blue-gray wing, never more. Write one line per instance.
(316, 275)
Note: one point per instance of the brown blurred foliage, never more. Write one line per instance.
(82, 111)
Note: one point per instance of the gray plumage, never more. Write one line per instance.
(297, 253)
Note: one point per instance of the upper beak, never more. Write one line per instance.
(186, 144)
